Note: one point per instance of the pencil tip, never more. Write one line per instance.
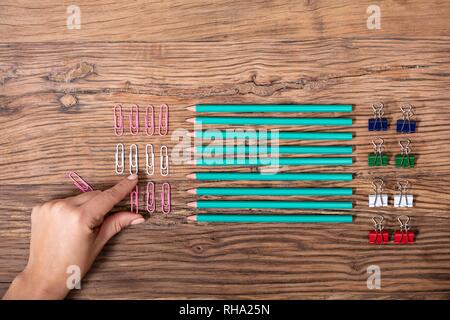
(192, 204)
(191, 120)
(191, 176)
(192, 218)
(191, 108)
(192, 191)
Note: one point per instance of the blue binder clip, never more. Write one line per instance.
(378, 123)
(406, 125)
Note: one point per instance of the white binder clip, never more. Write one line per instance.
(403, 199)
(379, 199)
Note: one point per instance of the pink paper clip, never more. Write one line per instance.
(150, 120)
(134, 125)
(163, 119)
(134, 200)
(165, 198)
(150, 197)
(81, 185)
(118, 120)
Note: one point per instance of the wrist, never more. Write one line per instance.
(30, 286)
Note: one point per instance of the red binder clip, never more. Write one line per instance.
(404, 235)
(118, 120)
(378, 235)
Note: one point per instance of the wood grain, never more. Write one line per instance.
(200, 20)
(56, 97)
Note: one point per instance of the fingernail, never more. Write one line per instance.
(132, 177)
(137, 221)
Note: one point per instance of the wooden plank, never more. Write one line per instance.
(256, 261)
(40, 123)
(28, 21)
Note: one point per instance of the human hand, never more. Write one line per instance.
(70, 232)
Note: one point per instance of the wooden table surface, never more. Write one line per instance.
(58, 87)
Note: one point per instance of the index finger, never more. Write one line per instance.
(101, 204)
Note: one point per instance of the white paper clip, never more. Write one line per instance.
(149, 159)
(120, 158)
(134, 164)
(379, 199)
(403, 199)
(164, 161)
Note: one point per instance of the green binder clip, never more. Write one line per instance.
(405, 159)
(378, 158)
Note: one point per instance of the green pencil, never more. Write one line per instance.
(274, 161)
(273, 121)
(256, 218)
(235, 108)
(271, 191)
(270, 176)
(271, 149)
(267, 135)
(250, 204)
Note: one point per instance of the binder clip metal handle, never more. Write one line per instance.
(378, 110)
(378, 123)
(378, 223)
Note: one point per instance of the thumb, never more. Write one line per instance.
(113, 224)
